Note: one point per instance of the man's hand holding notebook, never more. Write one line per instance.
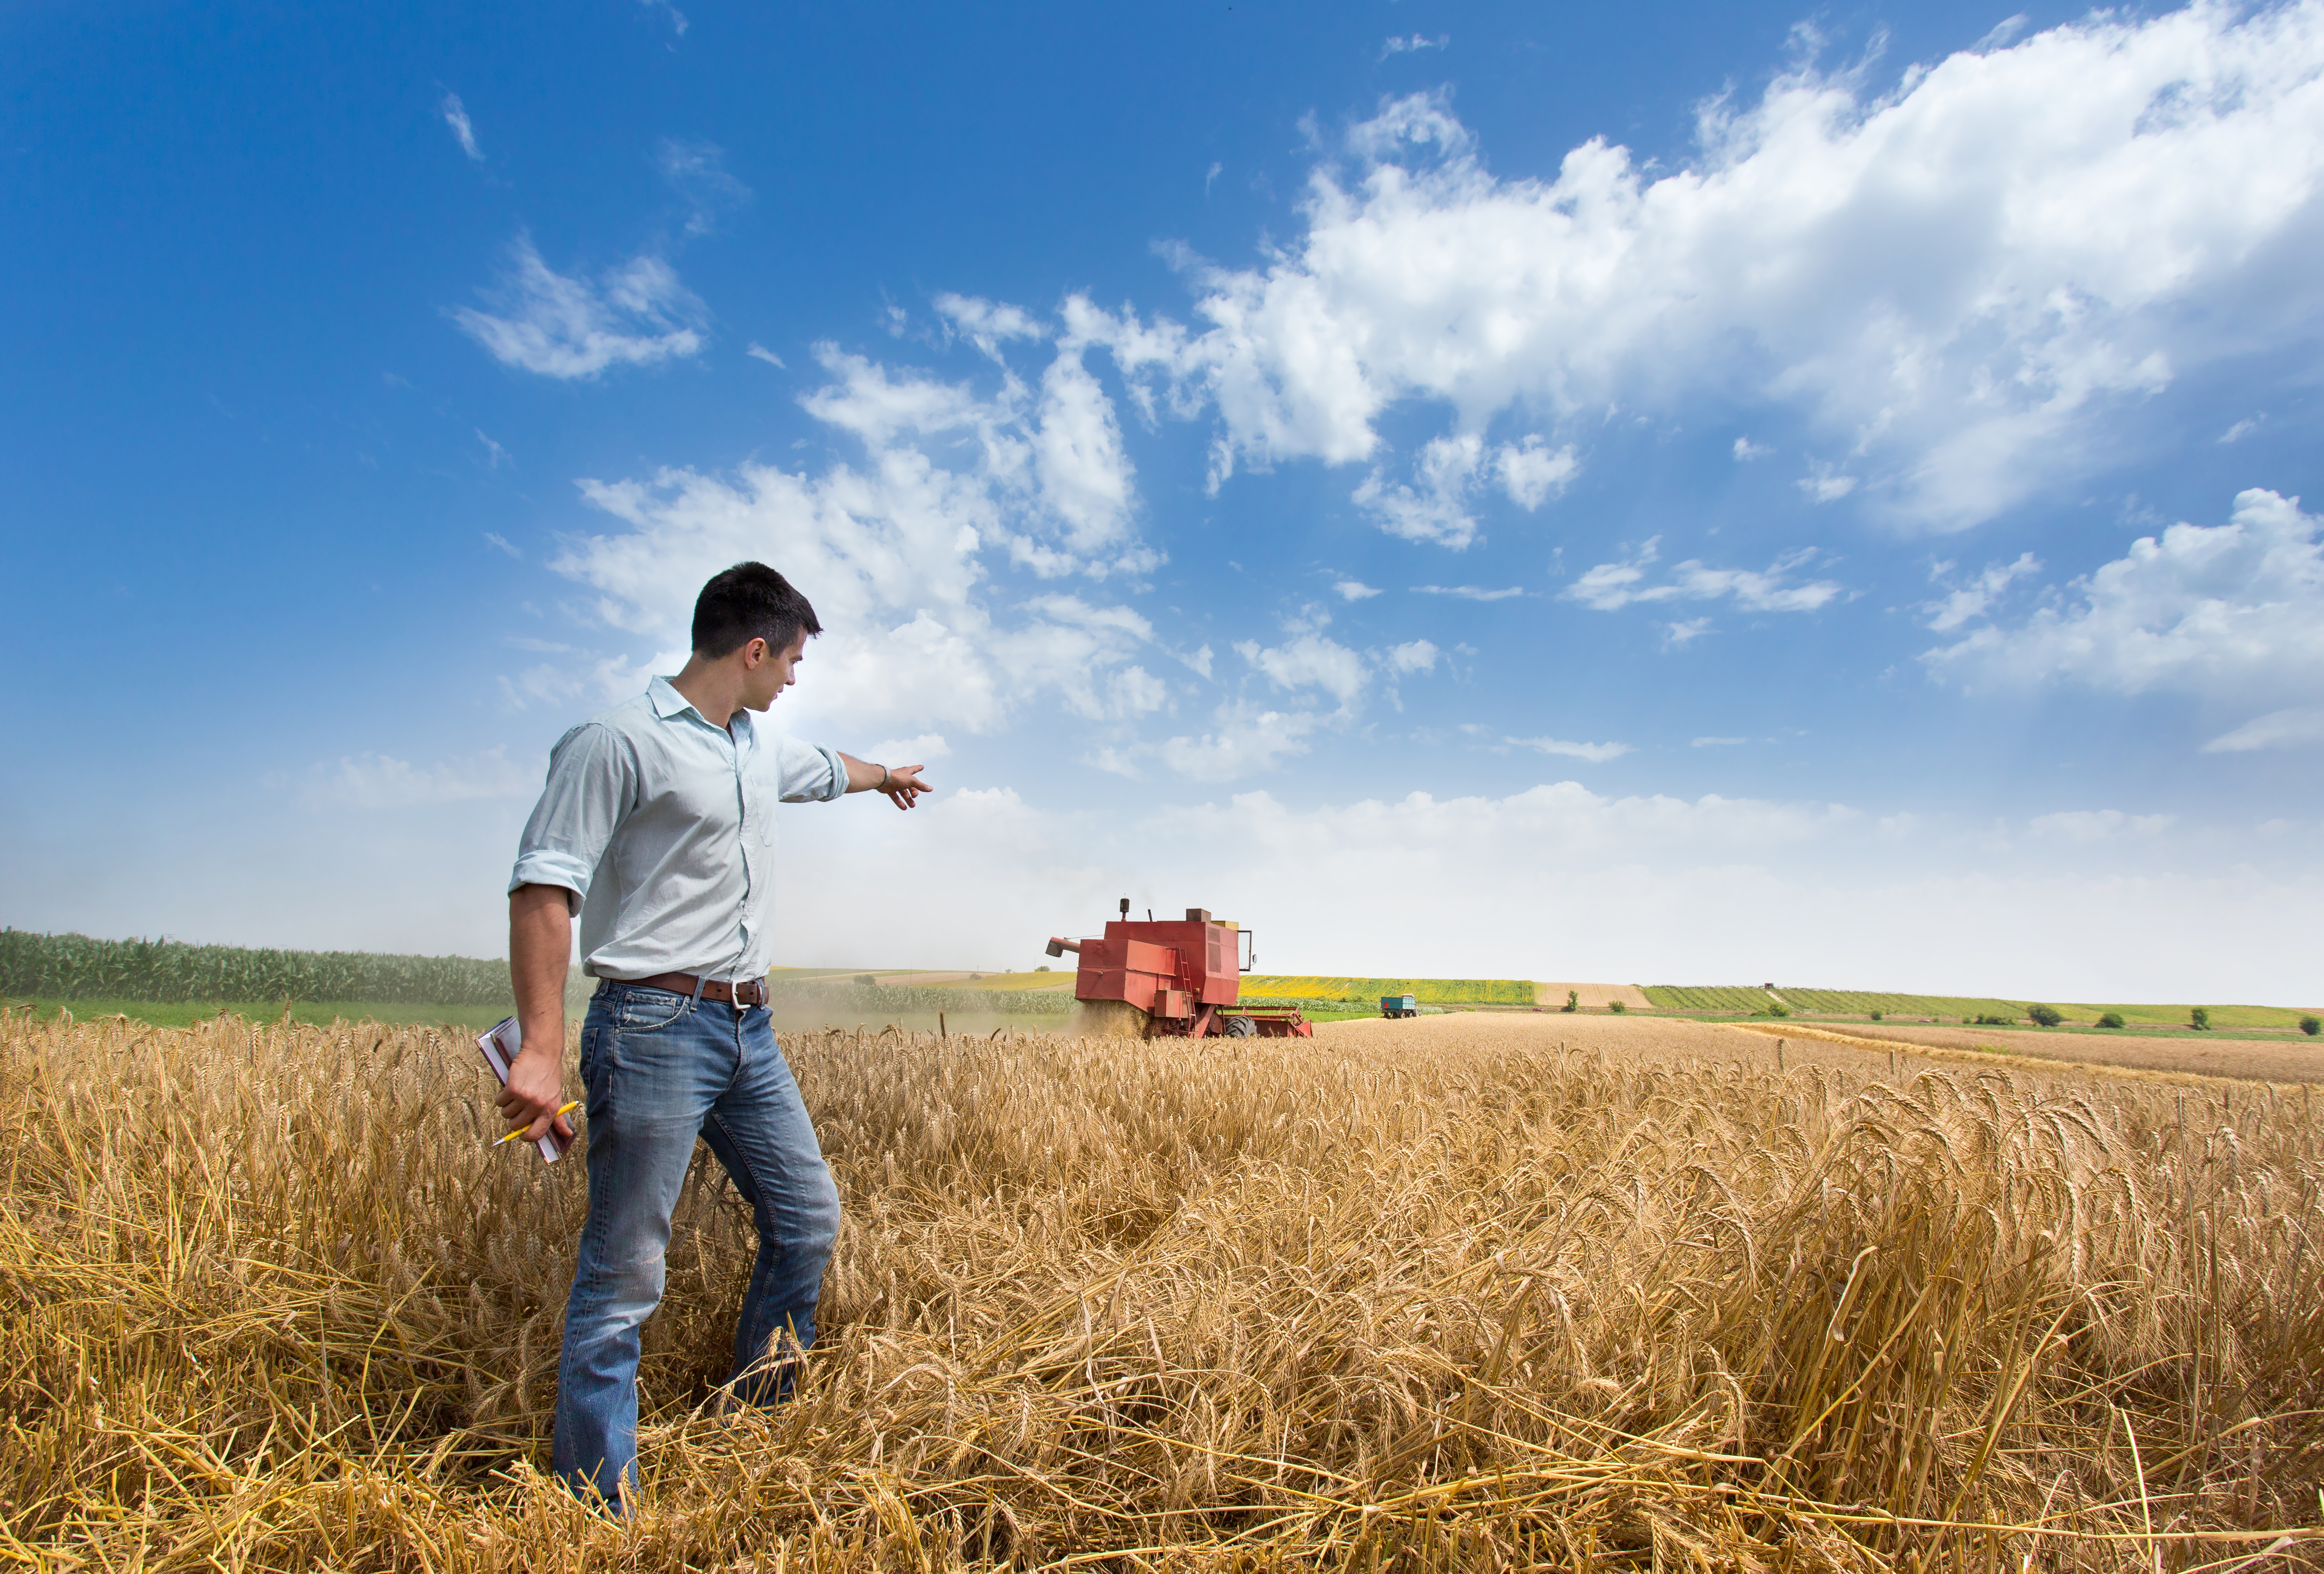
(500, 1047)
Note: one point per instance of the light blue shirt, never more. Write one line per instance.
(663, 827)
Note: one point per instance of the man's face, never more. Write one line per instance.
(767, 671)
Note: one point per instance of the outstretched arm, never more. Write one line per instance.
(901, 783)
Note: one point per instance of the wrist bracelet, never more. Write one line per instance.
(883, 780)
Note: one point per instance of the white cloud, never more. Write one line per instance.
(2098, 826)
(503, 544)
(1469, 592)
(1308, 660)
(1963, 279)
(380, 781)
(456, 116)
(2235, 611)
(677, 23)
(893, 552)
(566, 327)
(1595, 753)
(988, 324)
(1418, 656)
(1437, 506)
(1719, 742)
(1435, 509)
(1609, 586)
(759, 352)
(1242, 742)
(1084, 472)
(1746, 450)
(1823, 486)
(1414, 43)
(1678, 636)
(494, 454)
(2287, 729)
(1973, 599)
(1532, 472)
(1353, 590)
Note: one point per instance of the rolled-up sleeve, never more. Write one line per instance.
(810, 773)
(592, 787)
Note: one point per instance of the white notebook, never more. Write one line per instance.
(500, 1047)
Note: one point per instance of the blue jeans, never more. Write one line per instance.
(659, 1069)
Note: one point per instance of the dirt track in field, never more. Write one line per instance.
(2267, 1060)
(1679, 1039)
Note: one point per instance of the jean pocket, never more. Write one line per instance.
(651, 1010)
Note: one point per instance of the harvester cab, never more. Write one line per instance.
(1177, 977)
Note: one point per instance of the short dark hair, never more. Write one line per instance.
(750, 602)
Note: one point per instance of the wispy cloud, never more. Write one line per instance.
(1413, 44)
(677, 23)
(2098, 826)
(2242, 429)
(1354, 590)
(456, 116)
(503, 543)
(1719, 742)
(494, 454)
(380, 781)
(759, 352)
(1823, 484)
(697, 172)
(988, 324)
(1746, 450)
(1973, 599)
(1609, 586)
(2289, 729)
(574, 329)
(1469, 592)
(1679, 635)
(1595, 753)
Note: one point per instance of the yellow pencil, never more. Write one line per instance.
(520, 1131)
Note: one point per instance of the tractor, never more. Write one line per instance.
(1175, 979)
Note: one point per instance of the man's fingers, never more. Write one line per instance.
(562, 1127)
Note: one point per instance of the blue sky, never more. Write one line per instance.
(1642, 493)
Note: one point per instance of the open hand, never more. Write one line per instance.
(902, 786)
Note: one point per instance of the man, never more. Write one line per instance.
(658, 826)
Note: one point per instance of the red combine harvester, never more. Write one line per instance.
(1184, 974)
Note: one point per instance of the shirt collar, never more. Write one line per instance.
(667, 703)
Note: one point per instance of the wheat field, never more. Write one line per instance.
(1466, 1292)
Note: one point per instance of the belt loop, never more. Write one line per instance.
(696, 1004)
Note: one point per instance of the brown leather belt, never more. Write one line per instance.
(749, 992)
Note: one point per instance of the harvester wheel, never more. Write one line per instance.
(1242, 1027)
